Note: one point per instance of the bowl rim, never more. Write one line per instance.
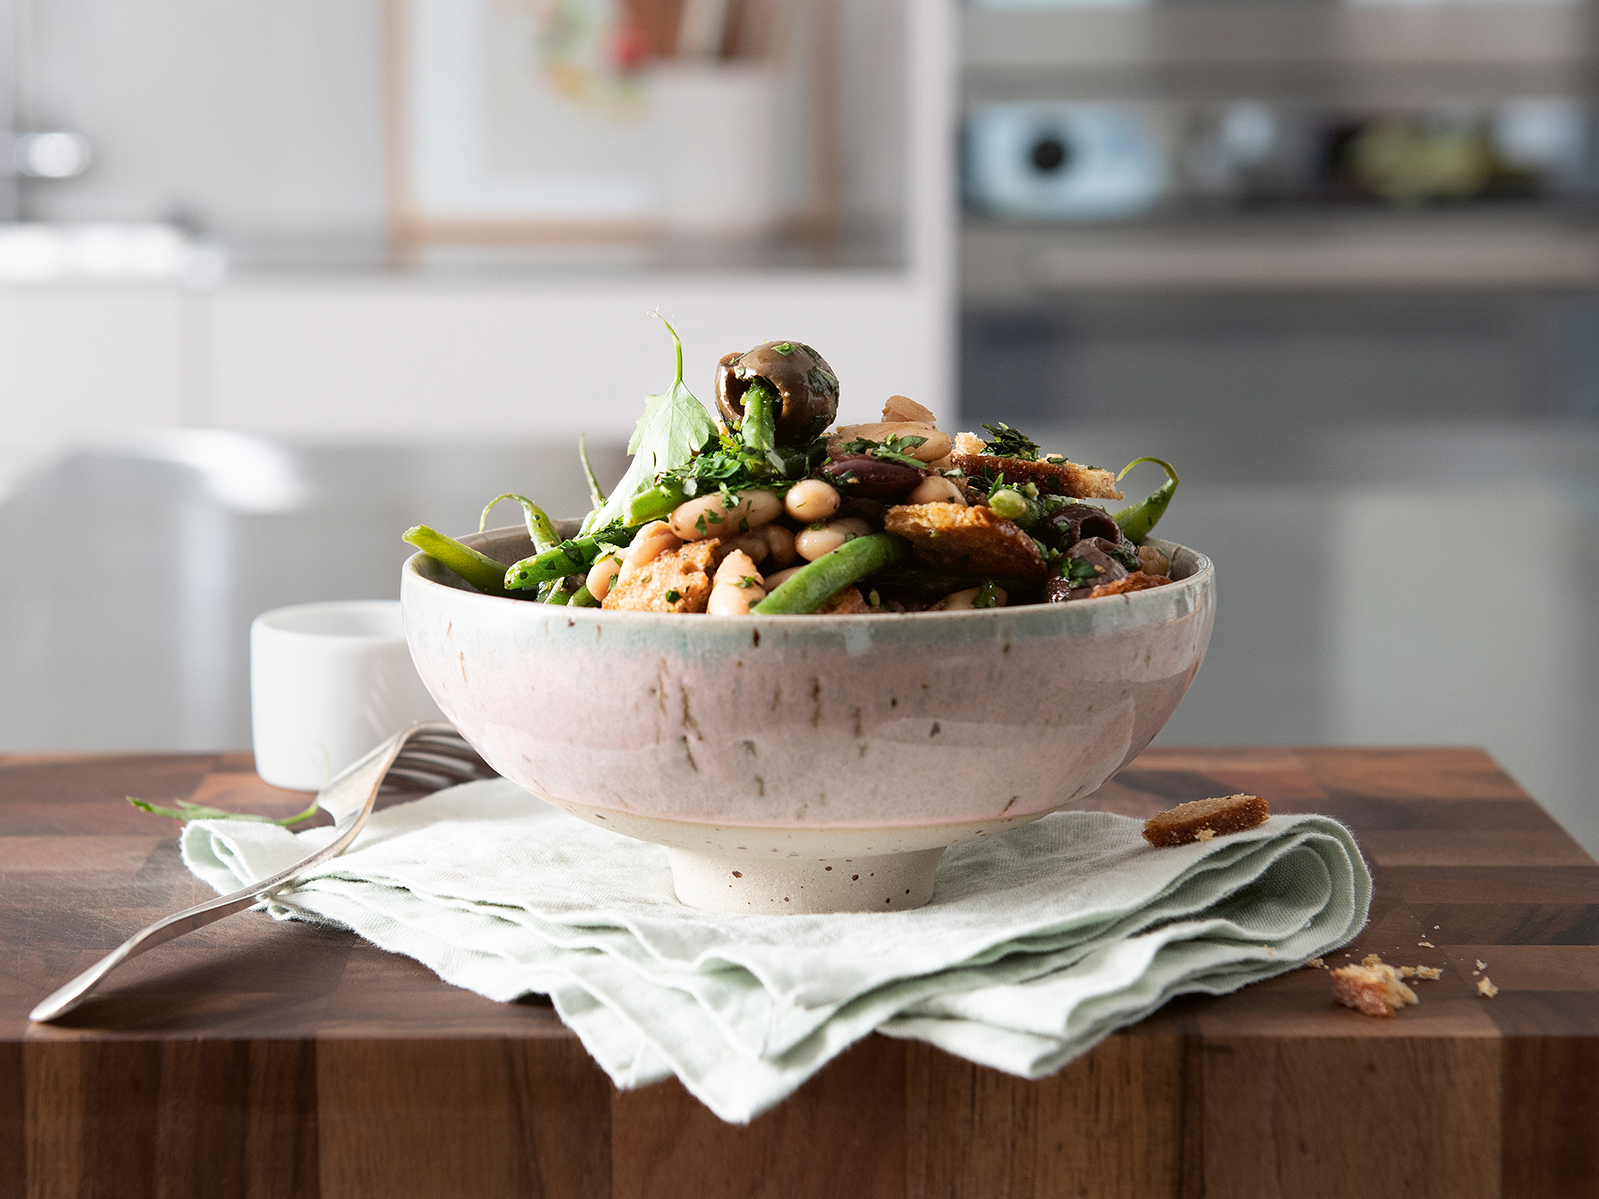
(1200, 578)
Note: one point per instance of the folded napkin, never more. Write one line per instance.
(1037, 945)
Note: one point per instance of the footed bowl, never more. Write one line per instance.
(806, 763)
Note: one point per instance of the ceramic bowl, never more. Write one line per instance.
(806, 763)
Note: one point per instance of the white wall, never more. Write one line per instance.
(265, 121)
(78, 358)
(260, 118)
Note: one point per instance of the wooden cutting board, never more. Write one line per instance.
(257, 1059)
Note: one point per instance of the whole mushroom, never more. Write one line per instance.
(800, 376)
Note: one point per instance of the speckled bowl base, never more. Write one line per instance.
(795, 886)
(734, 868)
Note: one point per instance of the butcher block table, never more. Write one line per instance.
(255, 1059)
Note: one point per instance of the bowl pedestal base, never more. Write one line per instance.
(722, 882)
(798, 869)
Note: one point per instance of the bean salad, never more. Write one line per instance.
(771, 509)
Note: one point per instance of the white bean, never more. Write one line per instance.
(753, 543)
(1152, 562)
(728, 599)
(813, 543)
(735, 568)
(935, 445)
(707, 516)
(903, 408)
(649, 543)
(956, 601)
(935, 489)
(774, 581)
(811, 500)
(780, 541)
(602, 574)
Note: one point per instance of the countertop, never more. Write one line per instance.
(262, 1059)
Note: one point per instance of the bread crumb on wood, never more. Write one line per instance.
(1426, 944)
(1485, 987)
(1371, 988)
(1431, 973)
(1204, 819)
(1481, 966)
(1315, 964)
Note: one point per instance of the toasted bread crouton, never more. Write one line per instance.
(1189, 821)
(973, 540)
(1371, 988)
(1055, 478)
(1137, 581)
(848, 602)
(680, 573)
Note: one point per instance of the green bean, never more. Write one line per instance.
(596, 496)
(759, 429)
(812, 586)
(479, 570)
(989, 595)
(539, 526)
(569, 557)
(561, 591)
(1138, 519)
(655, 504)
(584, 598)
(1015, 507)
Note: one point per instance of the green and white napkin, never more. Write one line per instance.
(1036, 946)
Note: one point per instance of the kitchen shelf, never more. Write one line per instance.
(1381, 250)
(1393, 55)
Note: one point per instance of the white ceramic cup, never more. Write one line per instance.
(327, 683)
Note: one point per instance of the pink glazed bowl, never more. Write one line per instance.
(806, 763)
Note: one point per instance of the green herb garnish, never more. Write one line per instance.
(199, 811)
(674, 427)
(895, 449)
(1008, 443)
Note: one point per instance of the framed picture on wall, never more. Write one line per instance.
(518, 120)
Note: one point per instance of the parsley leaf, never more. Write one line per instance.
(673, 428)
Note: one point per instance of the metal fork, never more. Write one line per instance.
(422, 759)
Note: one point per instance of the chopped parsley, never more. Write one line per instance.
(895, 449)
(1008, 443)
(673, 595)
(1080, 571)
(1127, 554)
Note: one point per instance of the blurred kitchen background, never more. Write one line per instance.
(279, 280)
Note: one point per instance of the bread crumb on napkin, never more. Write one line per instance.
(1371, 988)
(1202, 819)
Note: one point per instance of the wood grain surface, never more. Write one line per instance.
(254, 1059)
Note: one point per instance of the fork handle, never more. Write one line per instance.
(65, 998)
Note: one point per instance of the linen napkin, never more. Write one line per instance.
(1038, 943)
